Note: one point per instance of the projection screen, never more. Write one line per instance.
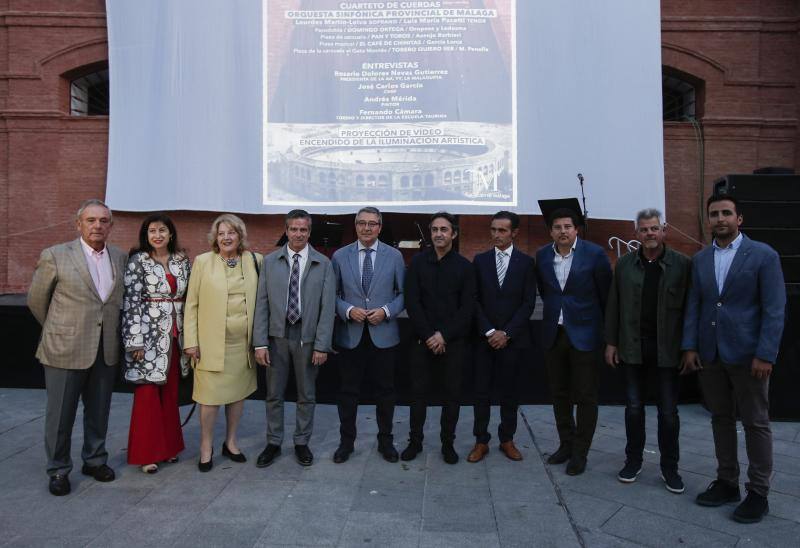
(468, 105)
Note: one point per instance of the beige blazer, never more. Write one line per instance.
(64, 300)
(206, 307)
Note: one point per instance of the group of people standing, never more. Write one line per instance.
(659, 314)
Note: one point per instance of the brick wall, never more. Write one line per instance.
(746, 53)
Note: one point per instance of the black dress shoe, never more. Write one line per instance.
(59, 485)
(576, 465)
(719, 492)
(562, 455)
(208, 465)
(235, 457)
(268, 455)
(388, 451)
(342, 453)
(101, 473)
(303, 455)
(752, 509)
(449, 453)
(411, 452)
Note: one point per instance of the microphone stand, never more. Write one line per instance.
(585, 211)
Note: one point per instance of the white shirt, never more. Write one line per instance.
(506, 260)
(723, 258)
(303, 260)
(561, 267)
(361, 255)
(104, 264)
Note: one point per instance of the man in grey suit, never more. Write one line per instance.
(369, 297)
(292, 329)
(76, 295)
(731, 334)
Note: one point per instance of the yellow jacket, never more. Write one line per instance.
(206, 308)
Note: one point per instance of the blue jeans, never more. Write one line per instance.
(636, 376)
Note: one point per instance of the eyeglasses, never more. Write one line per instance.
(370, 224)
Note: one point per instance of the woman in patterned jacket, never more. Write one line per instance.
(152, 333)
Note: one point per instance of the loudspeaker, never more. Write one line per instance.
(760, 188)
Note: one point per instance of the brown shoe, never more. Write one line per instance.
(478, 452)
(509, 449)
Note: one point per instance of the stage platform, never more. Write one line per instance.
(369, 502)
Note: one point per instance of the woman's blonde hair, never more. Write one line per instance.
(235, 223)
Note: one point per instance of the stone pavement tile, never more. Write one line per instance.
(778, 535)
(458, 516)
(639, 526)
(537, 523)
(388, 498)
(783, 506)
(384, 530)
(445, 539)
(787, 484)
(310, 515)
(462, 473)
(441, 493)
(588, 511)
(246, 501)
(786, 448)
(46, 542)
(599, 539)
(221, 533)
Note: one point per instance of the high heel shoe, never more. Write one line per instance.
(206, 466)
(235, 457)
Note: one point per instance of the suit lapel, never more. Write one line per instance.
(377, 267)
(577, 261)
(707, 271)
(352, 260)
(738, 260)
(513, 262)
(548, 268)
(79, 259)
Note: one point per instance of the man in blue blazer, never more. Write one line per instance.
(574, 277)
(732, 332)
(506, 296)
(369, 297)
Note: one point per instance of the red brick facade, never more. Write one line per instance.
(746, 55)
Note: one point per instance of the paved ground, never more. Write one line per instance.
(368, 502)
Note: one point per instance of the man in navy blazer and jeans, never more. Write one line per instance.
(506, 295)
(369, 298)
(574, 277)
(732, 332)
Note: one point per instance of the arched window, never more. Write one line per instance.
(88, 93)
(681, 95)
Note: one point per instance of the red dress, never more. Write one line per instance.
(155, 432)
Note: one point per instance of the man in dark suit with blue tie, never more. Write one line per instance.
(731, 334)
(574, 277)
(506, 296)
(369, 298)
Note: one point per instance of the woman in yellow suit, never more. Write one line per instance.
(218, 326)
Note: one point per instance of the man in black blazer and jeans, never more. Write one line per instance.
(506, 296)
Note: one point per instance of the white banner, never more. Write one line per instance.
(465, 105)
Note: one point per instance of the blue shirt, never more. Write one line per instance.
(723, 257)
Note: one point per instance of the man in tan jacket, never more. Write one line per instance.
(76, 295)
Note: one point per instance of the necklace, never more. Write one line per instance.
(232, 262)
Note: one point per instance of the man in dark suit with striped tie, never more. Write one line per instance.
(506, 296)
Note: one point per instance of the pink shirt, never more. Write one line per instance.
(99, 264)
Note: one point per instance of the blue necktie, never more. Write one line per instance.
(366, 270)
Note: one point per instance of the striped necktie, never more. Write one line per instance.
(501, 267)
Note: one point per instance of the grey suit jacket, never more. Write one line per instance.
(64, 300)
(386, 289)
(317, 299)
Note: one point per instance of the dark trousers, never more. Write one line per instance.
(421, 363)
(572, 375)
(727, 388)
(496, 374)
(636, 377)
(378, 364)
(64, 388)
